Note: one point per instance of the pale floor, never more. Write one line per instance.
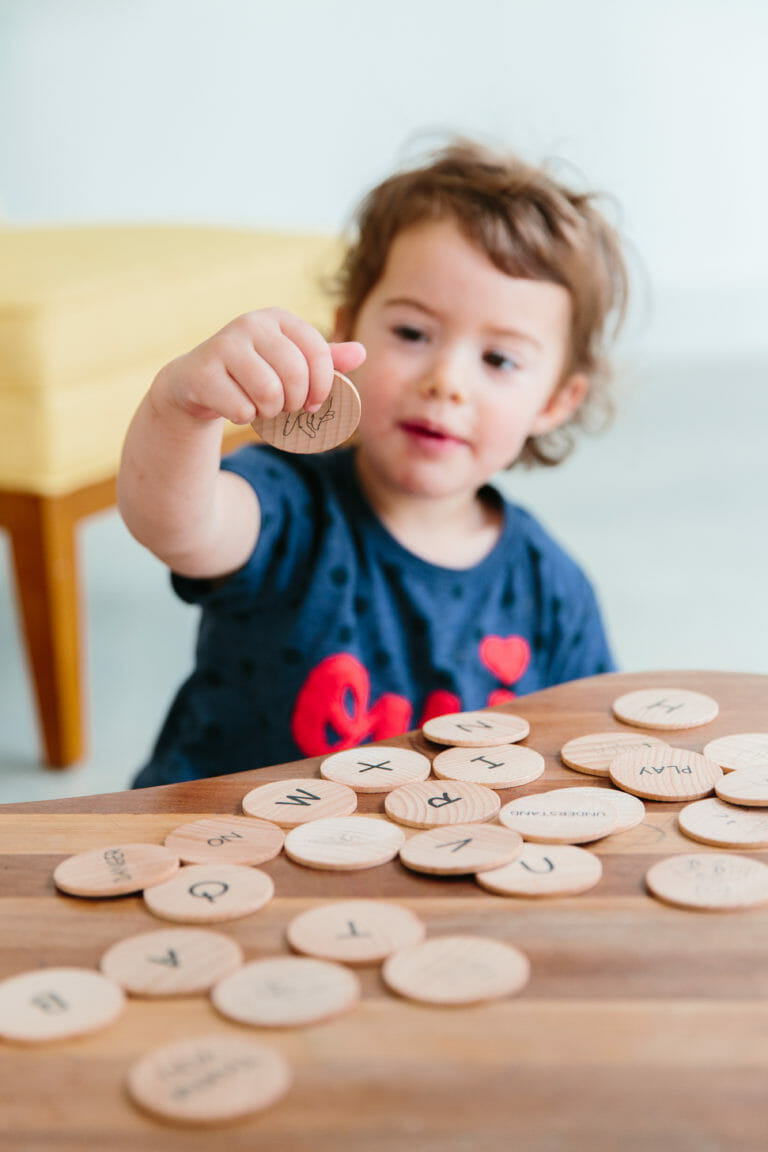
(667, 512)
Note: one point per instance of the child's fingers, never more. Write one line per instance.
(317, 355)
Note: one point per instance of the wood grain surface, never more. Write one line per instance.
(643, 1026)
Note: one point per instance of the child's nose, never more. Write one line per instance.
(446, 381)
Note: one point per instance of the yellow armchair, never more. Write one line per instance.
(87, 317)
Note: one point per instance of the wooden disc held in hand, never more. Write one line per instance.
(306, 432)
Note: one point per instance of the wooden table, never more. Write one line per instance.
(643, 1026)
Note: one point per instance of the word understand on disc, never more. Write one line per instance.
(558, 818)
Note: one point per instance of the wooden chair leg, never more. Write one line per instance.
(42, 531)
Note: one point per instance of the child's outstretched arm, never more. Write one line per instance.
(172, 494)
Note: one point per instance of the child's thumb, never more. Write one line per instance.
(347, 355)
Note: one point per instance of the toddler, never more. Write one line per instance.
(349, 596)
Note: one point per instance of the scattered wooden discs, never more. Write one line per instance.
(457, 970)
(226, 840)
(713, 881)
(319, 431)
(435, 802)
(355, 931)
(210, 893)
(665, 708)
(476, 729)
(344, 844)
(209, 1079)
(376, 769)
(545, 870)
(171, 961)
(461, 849)
(748, 786)
(723, 825)
(630, 810)
(665, 773)
(286, 991)
(54, 1003)
(593, 754)
(116, 870)
(740, 750)
(292, 802)
(558, 818)
(503, 766)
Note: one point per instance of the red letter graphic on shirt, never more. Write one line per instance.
(331, 711)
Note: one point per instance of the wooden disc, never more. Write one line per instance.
(355, 931)
(171, 961)
(545, 870)
(740, 750)
(723, 825)
(457, 970)
(434, 802)
(665, 773)
(748, 787)
(593, 754)
(665, 708)
(558, 818)
(54, 1003)
(210, 893)
(476, 729)
(713, 881)
(292, 802)
(209, 1079)
(630, 810)
(503, 766)
(320, 431)
(286, 992)
(226, 840)
(344, 844)
(461, 849)
(115, 871)
(376, 769)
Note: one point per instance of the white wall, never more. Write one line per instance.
(282, 113)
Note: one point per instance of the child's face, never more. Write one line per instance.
(463, 365)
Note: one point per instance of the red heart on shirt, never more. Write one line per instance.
(507, 657)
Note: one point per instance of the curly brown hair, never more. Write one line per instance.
(529, 225)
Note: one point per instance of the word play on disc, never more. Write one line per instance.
(54, 1003)
(434, 802)
(558, 818)
(545, 870)
(305, 432)
(476, 729)
(503, 766)
(344, 843)
(724, 825)
(712, 881)
(666, 773)
(376, 769)
(593, 754)
(115, 871)
(292, 802)
(210, 893)
(355, 931)
(665, 708)
(171, 961)
(286, 992)
(209, 1080)
(457, 970)
(740, 750)
(460, 849)
(226, 840)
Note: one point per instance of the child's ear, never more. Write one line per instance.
(562, 404)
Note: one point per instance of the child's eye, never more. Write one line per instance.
(500, 361)
(408, 332)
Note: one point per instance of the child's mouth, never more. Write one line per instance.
(429, 433)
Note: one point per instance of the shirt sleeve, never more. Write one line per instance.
(580, 646)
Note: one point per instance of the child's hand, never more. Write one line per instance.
(260, 364)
